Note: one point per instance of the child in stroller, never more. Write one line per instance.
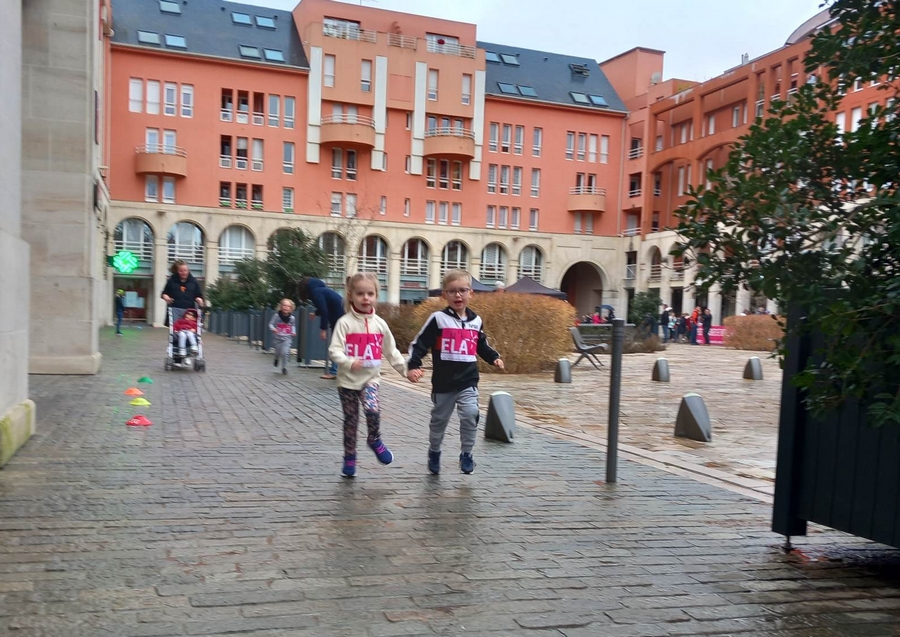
(185, 326)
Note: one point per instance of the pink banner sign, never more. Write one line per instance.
(458, 344)
(366, 348)
(717, 335)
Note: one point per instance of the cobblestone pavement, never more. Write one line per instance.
(227, 516)
(744, 413)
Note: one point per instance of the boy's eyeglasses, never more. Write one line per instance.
(459, 291)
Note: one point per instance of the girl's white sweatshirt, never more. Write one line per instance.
(364, 337)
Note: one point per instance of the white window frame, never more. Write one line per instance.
(407, 205)
(337, 204)
(382, 206)
(351, 165)
(856, 116)
(491, 220)
(273, 110)
(187, 100)
(504, 180)
(168, 189)
(153, 97)
(287, 163)
(337, 163)
(431, 173)
(570, 145)
(576, 223)
(537, 142)
(443, 213)
(365, 76)
(287, 199)
(151, 188)
(151, 140)
(456, 218)
(350, 200)
(456, 175)
(519, 140)
(429, 211)
(135, 95)
(533, 217)
(494, 137)
(466, 89)
(515, 216)
(170, 107)
(506, 138)
(517, 181)
(535, 182)
(604, 149)
(169, 142)
(582, 146)
(711, 124)
(444, 174)
(328, 65)
(592, 148)
(257, 155)
(735, 116)
(289, 119)
(492, 178)
(503, 217)
(433, 78)
(680, 181)
(588, 223)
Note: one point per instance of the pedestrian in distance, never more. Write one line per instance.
(120, 310)
(706, 321)
(664, 322)
(284, 329)
(329, 307)
(455, 337)
(182, 289)
(360, 339)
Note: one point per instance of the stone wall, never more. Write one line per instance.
(16, 411)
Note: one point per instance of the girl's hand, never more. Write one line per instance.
(414, 375)
(356, 365)
(323, 334)
(499, 363)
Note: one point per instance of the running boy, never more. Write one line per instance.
(454, 336)
(284, 329)
(360, 338)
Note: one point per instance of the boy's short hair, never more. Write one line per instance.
(456, 275)
(289, 301)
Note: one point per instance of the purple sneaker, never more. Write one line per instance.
(349, 469)
(383, 454)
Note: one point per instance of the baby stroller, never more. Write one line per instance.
(189, 356)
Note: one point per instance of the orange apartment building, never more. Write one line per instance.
(408, 147)
(403, 143)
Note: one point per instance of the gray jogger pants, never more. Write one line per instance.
(466, 403)
(283, 351)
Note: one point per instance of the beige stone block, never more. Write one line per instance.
(35, 150)
(36, 33)
(70, 147)
(63, 298)
(60, 337)
(68, 365)
(69, 42)
(16, 427)
(14, 363)
(14, 284)
(59, 250)
(55, 198)
(69, 7)
(57, 94)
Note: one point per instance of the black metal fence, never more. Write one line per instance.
(839, 470)
(252, 327)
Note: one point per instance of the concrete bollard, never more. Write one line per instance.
(693, 420)
(563, 372)
(500, 423)
(661, 370)
(753, 369)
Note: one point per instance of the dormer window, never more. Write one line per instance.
(509, 59)
(167, 6)
(175, 42)
(241, 18)
(491, 56)
(579, 98)
(250, 52)
(580, 69)
(596, 100)
(265, 22)
(508, 89)
(148, 37)
(527, 91)
(273, 55)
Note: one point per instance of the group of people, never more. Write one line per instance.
(597, 318)
(454, 336)
(686, 328)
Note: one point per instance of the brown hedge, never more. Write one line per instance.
(757, 332)
(530, 331)
(402, 321)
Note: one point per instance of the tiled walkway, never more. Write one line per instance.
(228, 516)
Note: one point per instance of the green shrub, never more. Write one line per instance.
(757, 332)
(529, 330)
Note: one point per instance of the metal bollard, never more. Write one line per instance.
(615, 389)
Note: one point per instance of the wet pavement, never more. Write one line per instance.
(228, 516)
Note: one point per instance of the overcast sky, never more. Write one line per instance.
(701, 38)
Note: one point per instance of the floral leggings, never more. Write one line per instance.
(350, 399)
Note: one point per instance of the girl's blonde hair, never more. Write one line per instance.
(351, 284)
(289, 302)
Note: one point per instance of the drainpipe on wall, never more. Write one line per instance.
(621, 176)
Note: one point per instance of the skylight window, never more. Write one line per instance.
(167, 6)
(527, 91)
(265, 22)
(512, 60)
(490, 56)
(596, 100)
(273, 55)
(580, 98)
(509, 89)
(249, 51)
(241, 18)
(148, 37)
(176, 41)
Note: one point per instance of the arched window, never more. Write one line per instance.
(655, 264)
(454, 257)
(186, 242)
(236, 244)
(493, 264)
(373, 255)
(531, 263)
(414, 259)
(335, 249)
(135, 236)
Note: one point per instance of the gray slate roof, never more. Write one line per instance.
(551, 77)
(209, 30)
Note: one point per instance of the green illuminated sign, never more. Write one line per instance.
(125, 262)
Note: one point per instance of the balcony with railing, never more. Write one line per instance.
(677, 274)
(414, 267)
(634, 192)
(631, 232)
(451, 48)
(259, 119)
(376, 265)
(493, 272)
(349, 32)
(225, 161)
(161, 159)
(656, 272)
(587, 199)
(450, 141)
(636, 153)
(348, 130)
(190, 252)
(402, 41)
(657, 192)
(229, 256)
(142, 250)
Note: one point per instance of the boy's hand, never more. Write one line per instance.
(414, 375)
(356, 365)
(499, 363)
(323, 334)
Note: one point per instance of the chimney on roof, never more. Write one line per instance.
(745, 58)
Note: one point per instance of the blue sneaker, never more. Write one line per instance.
(434, 462)
(349, 469)
(466, 463)
(383, 454)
